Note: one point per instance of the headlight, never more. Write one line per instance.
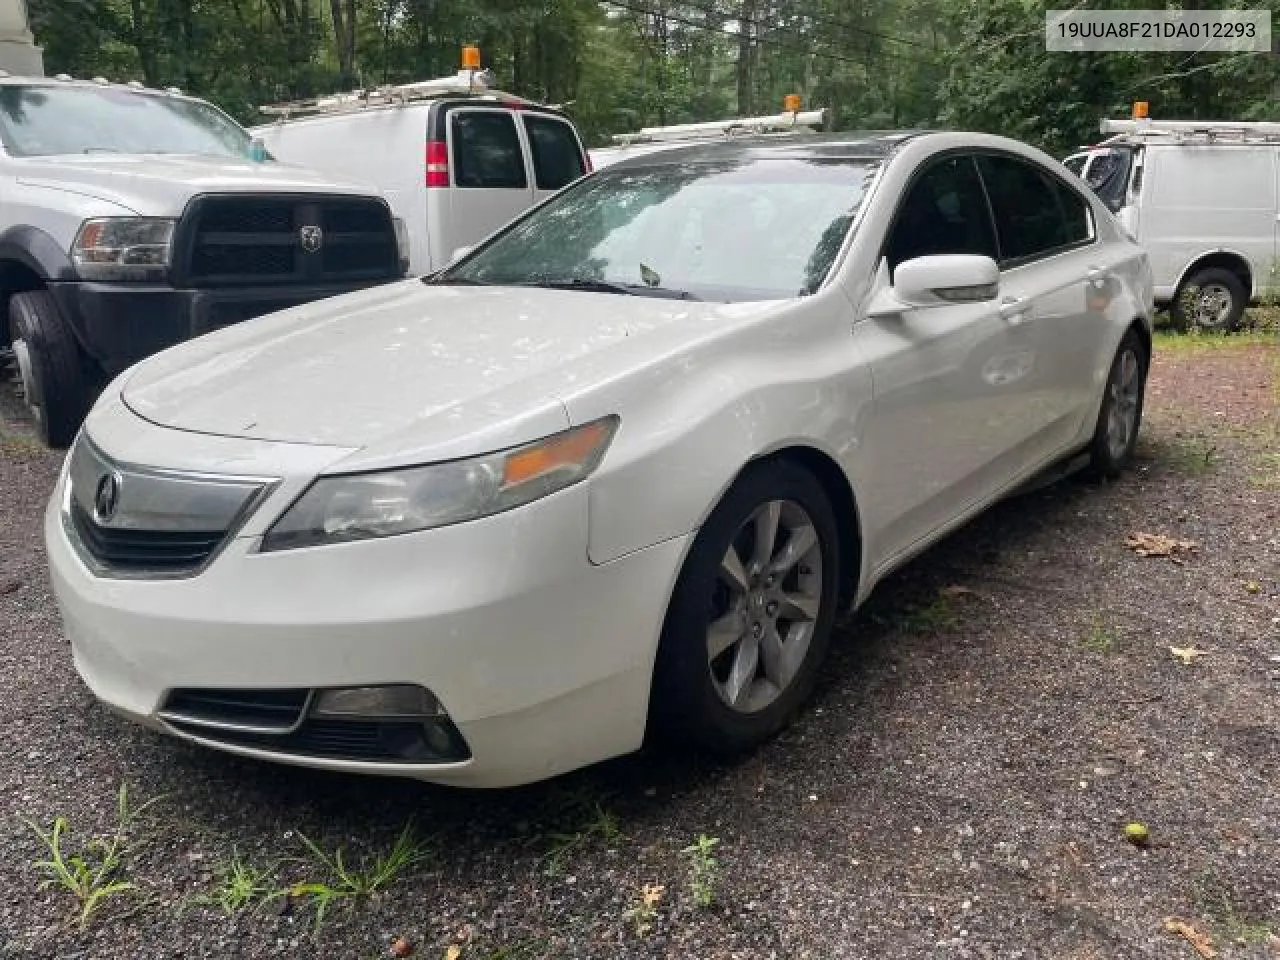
(123, 248)
(402, 242)
(365, 505)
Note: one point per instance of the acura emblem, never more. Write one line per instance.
(107, 497)
(312, 237)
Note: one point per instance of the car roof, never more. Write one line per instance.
(868, 145)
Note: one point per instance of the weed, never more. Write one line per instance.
(240, 885)
(1101, 637)
(599, 824)
(929, 617)
(1216, 902)
(1202, 341)
(91, 874)
(644, 912)
(704, 869)
(352, 882)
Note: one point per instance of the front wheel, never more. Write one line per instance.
(51, 368)
(751, 614)
(1116, 434)
(1212, 299)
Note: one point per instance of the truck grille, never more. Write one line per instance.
(228, 240)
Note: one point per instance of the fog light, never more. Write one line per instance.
(392, 702)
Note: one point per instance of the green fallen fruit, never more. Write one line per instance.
(1137, 834)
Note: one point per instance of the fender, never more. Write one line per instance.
(1219, 251)
(38, 251)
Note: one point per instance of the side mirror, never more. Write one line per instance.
(936, 280)
(460, 252)
(258, 150)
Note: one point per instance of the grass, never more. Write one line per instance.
(1171, 341)
(929, 617)
(92, 874)
(1196, 457)
(599, 823)
(1215, 900)
(240, 885)
(704, 869)
(1101, 638)
(346, 881)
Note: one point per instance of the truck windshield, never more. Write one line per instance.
(38, 120)
(727, 230)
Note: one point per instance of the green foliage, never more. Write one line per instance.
(240, 885)
(91, 874)
(704, 869)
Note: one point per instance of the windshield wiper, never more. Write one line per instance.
(609, 286)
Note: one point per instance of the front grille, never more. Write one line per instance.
(228, 240)
(372, 741)
(161, 551)
(260, 710)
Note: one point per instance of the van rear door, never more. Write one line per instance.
(490, 181)
(556, 151)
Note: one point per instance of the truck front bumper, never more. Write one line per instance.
(118, 324)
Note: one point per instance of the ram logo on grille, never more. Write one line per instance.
(312, 238)
(106, 497)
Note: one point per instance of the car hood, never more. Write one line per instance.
(161, 184)
(414, 370)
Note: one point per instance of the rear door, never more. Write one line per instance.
(490, 181)
(1051, 269)
(555, 152)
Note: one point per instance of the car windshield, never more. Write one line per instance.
(40, 120)
(759, 229)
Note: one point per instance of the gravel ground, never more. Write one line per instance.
(957, 788)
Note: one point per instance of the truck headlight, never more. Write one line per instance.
(402, 243)
(385, 503)
(123, 248)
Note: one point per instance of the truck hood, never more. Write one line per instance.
(413, 371)
(161, 184)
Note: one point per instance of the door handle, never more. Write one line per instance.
(1014, 309)
(1097, 276)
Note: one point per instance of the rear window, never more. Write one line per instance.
(557, 158)
(486, 150)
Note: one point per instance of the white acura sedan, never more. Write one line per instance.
(614, 470)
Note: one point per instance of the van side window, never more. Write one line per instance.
(943, 212)
(557, 158)
(486, 150)
(1029, 219)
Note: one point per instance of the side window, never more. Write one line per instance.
(1079, 223)
(486, 150)
(1029, 218)
(944, 211)
(557, 158)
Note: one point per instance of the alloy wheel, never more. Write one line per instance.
(1124, 395)
(765, 601)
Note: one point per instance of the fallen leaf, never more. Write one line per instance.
(651, 894)
(1200, 942)
(1252, 586)
(1188, 654)
(453, 952)
(1159, 545)
(1137, 834)
(400, 947)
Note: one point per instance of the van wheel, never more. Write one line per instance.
(1210, 299)
(50, 366)
(751, 614)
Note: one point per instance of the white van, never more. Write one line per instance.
(455, 159)
(1201, 197)
(654, 139)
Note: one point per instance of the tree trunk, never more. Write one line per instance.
(746, 24)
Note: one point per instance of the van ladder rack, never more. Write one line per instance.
(465, 83)
(716, 129)
(1192, 131)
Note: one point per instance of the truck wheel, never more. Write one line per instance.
(50, 366)
(1210, 299)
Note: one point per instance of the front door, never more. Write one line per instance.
(949, 380)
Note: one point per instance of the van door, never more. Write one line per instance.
(556, 153)
(490, 181)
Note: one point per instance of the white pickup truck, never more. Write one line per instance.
(132, 219)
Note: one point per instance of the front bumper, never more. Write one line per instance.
(542, 660)
(121, 323)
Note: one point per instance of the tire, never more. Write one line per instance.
(50, 366)
(1120, 416)
(1210, 299)
(692, 690)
